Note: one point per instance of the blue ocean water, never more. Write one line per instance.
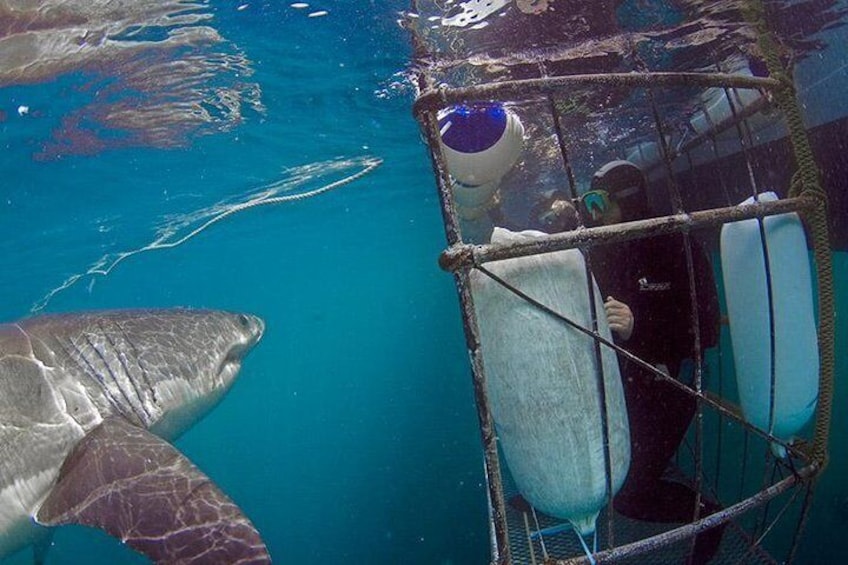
(351, 434)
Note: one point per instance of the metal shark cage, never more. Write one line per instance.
(780, 499)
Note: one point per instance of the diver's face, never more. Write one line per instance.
(600, 208)
(612, 215)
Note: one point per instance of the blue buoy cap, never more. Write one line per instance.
(473, 128)
(480, 141)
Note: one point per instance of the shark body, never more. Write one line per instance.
(88, 402)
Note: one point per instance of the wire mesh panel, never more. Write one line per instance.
(736, 544)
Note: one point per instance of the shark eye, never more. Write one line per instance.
(244, 321)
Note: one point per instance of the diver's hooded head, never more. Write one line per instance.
(626, 187)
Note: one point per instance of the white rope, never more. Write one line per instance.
(161, 242)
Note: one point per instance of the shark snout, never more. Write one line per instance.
(250, 329)
(244, 331)
(256, 329)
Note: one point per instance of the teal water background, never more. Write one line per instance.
(351, 435)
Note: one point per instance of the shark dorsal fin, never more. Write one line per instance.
(140, 489)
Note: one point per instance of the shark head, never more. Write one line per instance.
(200, 359)
(161, 369)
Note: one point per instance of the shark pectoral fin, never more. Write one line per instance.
(138, 488)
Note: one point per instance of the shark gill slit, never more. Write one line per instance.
(74, 352)
(137, 357)
(144, 415)
(134, 414)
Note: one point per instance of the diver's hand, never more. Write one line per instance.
(620, 317)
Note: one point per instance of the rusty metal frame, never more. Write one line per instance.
(459, 258)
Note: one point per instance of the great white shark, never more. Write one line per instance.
(88, 403)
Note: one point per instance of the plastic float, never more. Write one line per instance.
(480, 142)
(543, 378)
(717, 107)
(754, 306)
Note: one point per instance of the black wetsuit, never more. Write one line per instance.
(651, 277)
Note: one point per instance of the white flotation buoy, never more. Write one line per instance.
(796, 357)
(725, 107)
(473, 202)
(543, 383)
(718, 108)
(480, 142)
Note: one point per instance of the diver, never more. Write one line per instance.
(646, 287)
